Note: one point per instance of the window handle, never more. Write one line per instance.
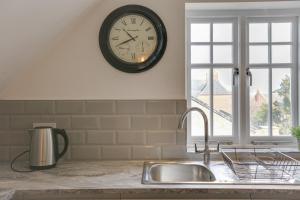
(236, 73)
(249, 74)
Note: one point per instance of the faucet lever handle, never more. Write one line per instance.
(196, 149)
(215, 150)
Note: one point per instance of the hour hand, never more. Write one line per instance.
(126, 41)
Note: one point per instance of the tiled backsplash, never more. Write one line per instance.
(99, 130)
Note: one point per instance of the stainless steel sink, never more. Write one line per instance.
(176, 173)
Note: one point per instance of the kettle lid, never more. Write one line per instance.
(42, 127)
(33, 130)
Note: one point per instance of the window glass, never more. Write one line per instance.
(222, 32)
(222, 54)
(222, 110)
(200, 54)
(281, 32)
(281, 102)
(259, 103)
(281, 53)
(258, 54)
(200, 97)
(258, 32)
(200, 32)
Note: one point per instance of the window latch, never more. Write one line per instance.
(249, 74)
(236, 73)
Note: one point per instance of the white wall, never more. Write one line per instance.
(30, 28)
(76, 69)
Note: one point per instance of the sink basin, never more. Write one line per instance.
(176, 173)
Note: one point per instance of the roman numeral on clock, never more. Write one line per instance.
(133, 56)
(142, 22)
(133, 20)
(115, 38)
(151, 38)
(148, 29)
(124, 22)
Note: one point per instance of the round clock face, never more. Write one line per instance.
(133, 38)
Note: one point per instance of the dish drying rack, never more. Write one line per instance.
(260, 164)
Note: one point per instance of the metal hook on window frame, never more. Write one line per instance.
(249, 74)
(236, 73)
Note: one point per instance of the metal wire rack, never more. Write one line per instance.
(260, 163)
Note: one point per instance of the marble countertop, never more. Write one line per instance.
(113, 177)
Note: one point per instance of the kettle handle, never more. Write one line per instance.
(63, 133)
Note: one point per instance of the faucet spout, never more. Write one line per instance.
(183, 117)
(205, 119)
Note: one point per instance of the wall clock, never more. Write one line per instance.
(133, 38)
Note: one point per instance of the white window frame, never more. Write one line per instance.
(292, 66)
(210, 67)
(241, 134)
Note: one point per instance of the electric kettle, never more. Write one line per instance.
(44, 149)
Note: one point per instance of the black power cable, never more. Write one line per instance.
(14, 160)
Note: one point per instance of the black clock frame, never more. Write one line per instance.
(112, 58)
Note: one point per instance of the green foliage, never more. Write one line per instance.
(261, 116)
(284, 106)
(296, 132)
(276, 112)
(281, 109)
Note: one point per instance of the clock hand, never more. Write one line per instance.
(128, 34)
(127, 41)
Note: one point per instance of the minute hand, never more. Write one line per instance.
(127, 41)
(128, 34)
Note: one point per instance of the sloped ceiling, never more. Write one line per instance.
(28, 29)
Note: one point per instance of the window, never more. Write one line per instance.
(271, 43)
(213, 57)
(242, 72)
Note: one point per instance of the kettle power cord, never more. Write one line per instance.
(14, 160)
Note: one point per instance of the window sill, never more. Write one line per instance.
(287, 147)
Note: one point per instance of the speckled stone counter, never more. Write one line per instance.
(121, 180)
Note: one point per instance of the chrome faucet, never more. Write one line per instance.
(206, 151)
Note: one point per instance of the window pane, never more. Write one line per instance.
(222, 112)
(281, 102)
(281, 54)
(281, 32)
(222, 54)
(258, 32)
(200, 98)
(200, 32)
(200, 54)
(259, 106)
(258, 54)
(222, 32)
